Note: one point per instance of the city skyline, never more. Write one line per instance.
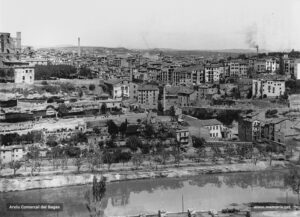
(153, 24)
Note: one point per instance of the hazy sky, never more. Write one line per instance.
(182, 24)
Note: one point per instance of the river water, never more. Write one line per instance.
(147, 196)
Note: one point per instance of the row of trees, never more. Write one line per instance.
(225, 116)
(15, 138)
(46, 72)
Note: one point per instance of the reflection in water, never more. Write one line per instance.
(132, 197)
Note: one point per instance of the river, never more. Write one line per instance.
(203, 192)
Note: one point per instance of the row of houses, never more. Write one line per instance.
(255, 127)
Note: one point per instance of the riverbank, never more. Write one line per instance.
(52, 181)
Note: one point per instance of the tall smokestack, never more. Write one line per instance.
(257, 49)
(18, 46)
(79, 51)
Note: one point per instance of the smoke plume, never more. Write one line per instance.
(251, 37)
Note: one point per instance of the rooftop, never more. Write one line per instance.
(209, 122)
(148, 87)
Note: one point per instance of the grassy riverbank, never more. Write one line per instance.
(21, 183)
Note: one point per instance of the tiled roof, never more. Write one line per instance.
(148, 87)
(210, 122)
(178, 89)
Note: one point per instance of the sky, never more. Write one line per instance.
(177, 24)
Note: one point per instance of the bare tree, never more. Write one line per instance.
(93, 160)
(137, 159)
(2, 166)
(15, 165)
(64, 163)
(35, 166)
(78, 162)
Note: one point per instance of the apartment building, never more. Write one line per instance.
(178, 96)
(148, 96)
(118, 88)
(249, 127)
(238, 68)
(213, 73)
(297, 69)
(192, 75)
(260, 66)
(272, 65)
(268, 87)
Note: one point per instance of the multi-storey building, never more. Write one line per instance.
(182, 75)
(166, 74)
(133, 90)
(24, 74)
(11, 153)
(297, 69)
(204, 90)
(271, 65)
(244, 68)
(182, 135)
(268, 87)
(279, 130)
(234, 68)
(178, 96)
(238, 68)
(249, 127)
(118, 88)
(260, 66)
(214, 126)
(148, 96)
(213, 72)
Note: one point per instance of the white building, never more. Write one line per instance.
(24, 74)
(271, 65)
(297, 69)
(214, 126)
(11, 153)
(213, 72)
(268, 87)
(118, 88)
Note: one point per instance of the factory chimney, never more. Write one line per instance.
(257, 50)
(18, 44)
(79, 51)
